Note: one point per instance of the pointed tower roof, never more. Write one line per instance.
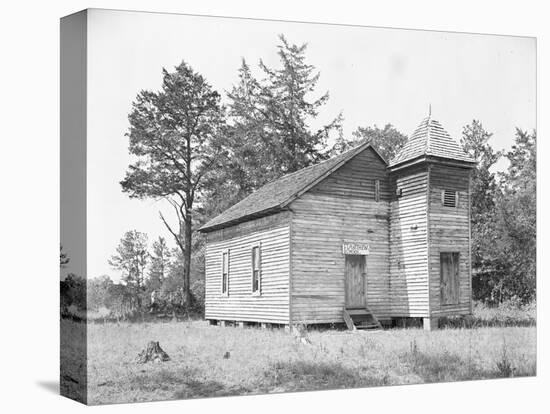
(430, 140)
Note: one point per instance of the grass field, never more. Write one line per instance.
(266, 361)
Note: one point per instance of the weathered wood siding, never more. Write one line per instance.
(342, 207)
(240, 304)
(449, 232)
(409, 244)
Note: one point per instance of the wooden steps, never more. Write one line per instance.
(361, 318)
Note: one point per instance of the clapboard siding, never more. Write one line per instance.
(357, 178)
(409, 291)
(342, 207)
(318, 265)
(240, 304)
(251, 226)
(449, 232)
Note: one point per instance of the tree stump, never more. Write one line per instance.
(153, 353)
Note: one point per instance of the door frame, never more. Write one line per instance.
(363, 279)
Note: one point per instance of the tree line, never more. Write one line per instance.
(202, 151)
(150, 283)
(503, 217)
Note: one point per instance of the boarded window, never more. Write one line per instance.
(449, 198)
(449, 278)
(225, 272)
(256, 269)
(376, 190)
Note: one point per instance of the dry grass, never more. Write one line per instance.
(265, 361)
(73, 360)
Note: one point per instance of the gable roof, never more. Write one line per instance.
(430, 139)
(277, 194)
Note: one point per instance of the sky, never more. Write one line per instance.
(374, 76)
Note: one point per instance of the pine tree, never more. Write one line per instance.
(160, 263)
(288, 109)
(269, 133)
(173, 135)
(131, 259)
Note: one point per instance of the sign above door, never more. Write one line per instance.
(360, 247)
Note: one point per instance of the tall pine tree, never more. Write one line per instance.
(269, 133)
(173, 137)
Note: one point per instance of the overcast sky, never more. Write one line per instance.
(374, 76)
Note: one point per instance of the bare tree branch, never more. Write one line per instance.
(176, 237)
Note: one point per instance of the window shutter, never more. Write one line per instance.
(225, 272)
(256, 269)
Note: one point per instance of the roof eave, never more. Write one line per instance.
(266, 212)
(432, 159)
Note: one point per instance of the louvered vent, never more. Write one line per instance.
(449, 198)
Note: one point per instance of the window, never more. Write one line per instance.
(449, 198)
(225, 272)
(256, 269)
(376, 190)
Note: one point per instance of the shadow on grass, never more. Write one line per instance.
(308, 376)
(161, 380)
(491, 322)
(438, 367)
(194, 388)
(287, 377)
(188, 383)
(445, 366)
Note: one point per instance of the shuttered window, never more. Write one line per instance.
(225, 272)
(449, 198)
(256, 269)
(449, 278)
(376, 190)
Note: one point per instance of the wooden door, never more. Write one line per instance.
(449, 278)
(355, 281)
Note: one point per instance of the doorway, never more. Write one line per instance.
(449, 281)
(355, 281)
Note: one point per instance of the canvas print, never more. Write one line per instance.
(254, 206)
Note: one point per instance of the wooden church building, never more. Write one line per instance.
(352, 239)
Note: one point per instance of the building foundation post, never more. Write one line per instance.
(431, 323)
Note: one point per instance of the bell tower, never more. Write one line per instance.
(430, 241)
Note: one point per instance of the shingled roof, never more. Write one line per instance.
(275, 195)
(430, 139)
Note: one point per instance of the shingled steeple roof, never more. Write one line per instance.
(430, 140)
